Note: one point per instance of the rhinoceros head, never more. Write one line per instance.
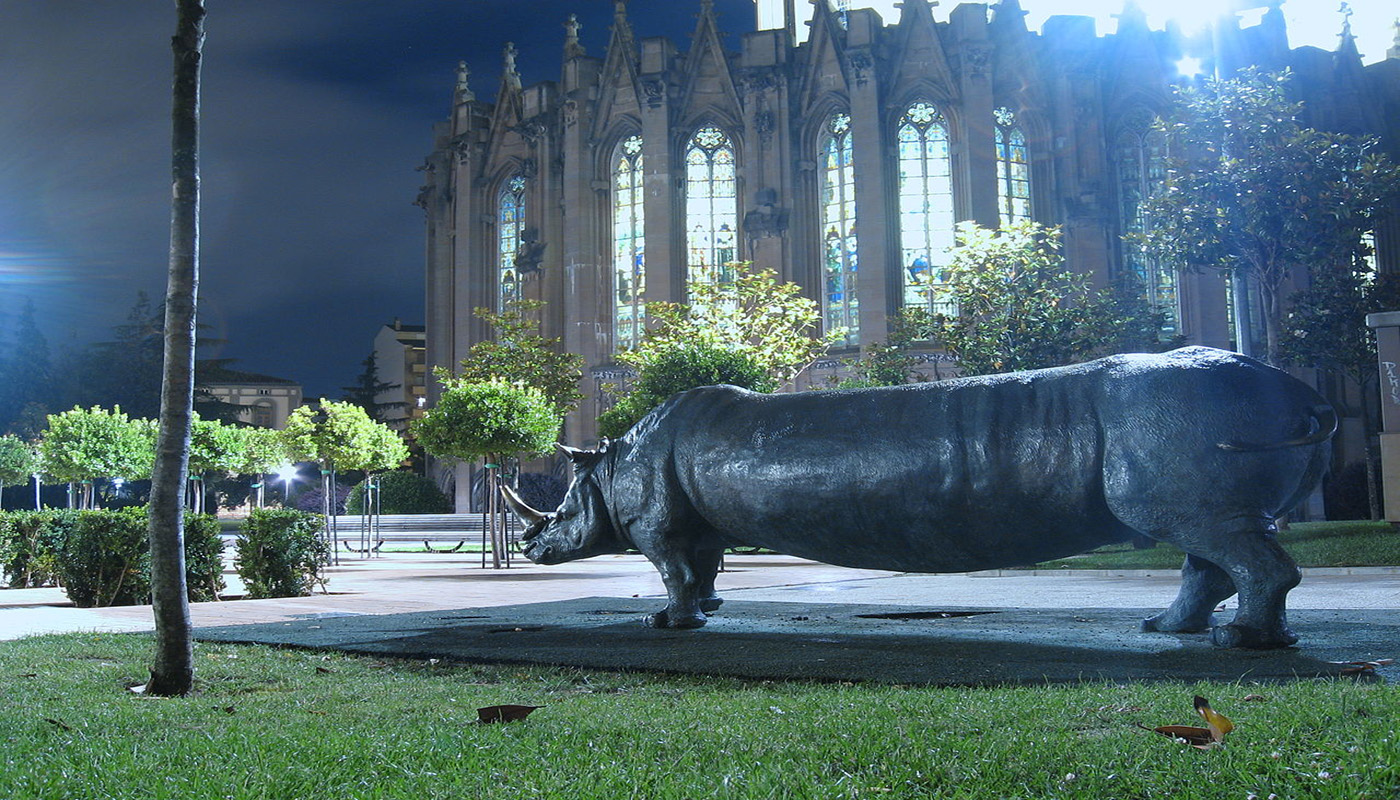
(580, 528)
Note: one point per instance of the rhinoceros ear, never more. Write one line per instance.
(581, 458)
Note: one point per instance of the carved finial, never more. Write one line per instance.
(1394, 51)
(1346, 13)
(464, 91)
(572, 48)
(620, 9)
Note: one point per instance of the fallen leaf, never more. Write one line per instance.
(138, 689)
(1206, 738)
(229, 709)
(324, 671)
(1363, 667)
(58, 724)
(1255, 698)
(505, 713)
(1218, 723)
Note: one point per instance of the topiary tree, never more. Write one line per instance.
(489, 419)
(340, 435)
(261, 451)
(82, 444)
(214, 448)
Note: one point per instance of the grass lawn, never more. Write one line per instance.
(270, 723)
(1312, 544)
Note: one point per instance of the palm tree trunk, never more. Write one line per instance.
(172, 672)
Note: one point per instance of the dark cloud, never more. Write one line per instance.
(316, 114)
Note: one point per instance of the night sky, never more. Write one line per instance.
(316, 114)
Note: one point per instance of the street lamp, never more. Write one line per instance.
(286, 473)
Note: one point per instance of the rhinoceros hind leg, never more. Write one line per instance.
(707, 563)
(1262, 572)
(1203, 586)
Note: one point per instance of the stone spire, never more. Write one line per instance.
(1394, 51)
(463, 92)
(572, 48)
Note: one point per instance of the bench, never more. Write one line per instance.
(425, 528)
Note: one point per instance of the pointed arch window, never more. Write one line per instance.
(840, 308)
(711, 207)
(925, 205)
(1013, 170)
(628, 243)
(510, 218)
(1140, 167)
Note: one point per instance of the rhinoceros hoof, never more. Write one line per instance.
(662, 619)
(1233, 635)
(711, 604)
(1159, 625)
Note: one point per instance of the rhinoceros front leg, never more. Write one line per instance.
(684, 576)
(1203, 587)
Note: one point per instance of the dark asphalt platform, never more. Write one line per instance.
(844, 642)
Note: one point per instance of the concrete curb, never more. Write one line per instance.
(1160, 573)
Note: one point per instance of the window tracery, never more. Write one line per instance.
(628, 240)
(926, 220)
(839, 260)
(711, 207)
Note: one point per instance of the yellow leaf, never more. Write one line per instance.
(1219, 723)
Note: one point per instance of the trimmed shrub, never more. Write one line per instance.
(204, 557)
(104, 559)
(401, 492)
(684, 366)
(29, 546)
(280, 553)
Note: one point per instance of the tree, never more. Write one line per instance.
(1019, 308)
(261, 451)
(1252, 192)
(518, 354)
(214, 448)
(82, 444)
(891, 362)
(17, 461)
(680, 366)
(490, 419)
(368, 387)
(1326, 329)
(172, 668)
(753, 314)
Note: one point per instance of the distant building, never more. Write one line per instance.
(261, 400)
(843, 158)
(850, 154)
(400, 358)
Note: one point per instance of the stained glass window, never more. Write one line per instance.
(628, 256)
(925, 206)
(1140, 157)
(840, 309)
(1013, 170)
(510, 217)
(711, 207)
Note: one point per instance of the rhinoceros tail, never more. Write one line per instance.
(1322, 423)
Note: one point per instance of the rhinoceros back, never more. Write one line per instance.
(971, 473)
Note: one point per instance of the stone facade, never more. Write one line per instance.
(523, 196)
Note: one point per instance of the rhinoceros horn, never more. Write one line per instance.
(527, 515)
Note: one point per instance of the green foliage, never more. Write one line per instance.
(1019, 308)
(93, 443)
(1251, 190)
(204, 557)
(280, 553)
(891, 362)
(215, 446)
(402, 492)
(17, 460)
(770, 322)
(30, 542)
(683, 365)
(488, 418)
(343, 435)
(518, 354)
(260, 451)
(1326, 324)
(104, 560)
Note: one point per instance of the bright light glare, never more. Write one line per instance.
(286, 472)
(1190, 67)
